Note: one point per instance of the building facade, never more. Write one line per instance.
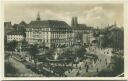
(49, 32)
(17, 36)
(81, 32)
(15, 32)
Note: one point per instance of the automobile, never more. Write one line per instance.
(28, 66)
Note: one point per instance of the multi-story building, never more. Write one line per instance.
(7, 29)
(16, 32)
(80, 30)
(17, 36)
(49, 32)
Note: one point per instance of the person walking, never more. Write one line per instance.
(97, 70)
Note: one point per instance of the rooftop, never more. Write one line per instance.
(81, 27)
(7, 24)
(15, 33)
(48, 23)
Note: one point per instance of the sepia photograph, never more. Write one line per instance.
(63, 40)
(65, 80)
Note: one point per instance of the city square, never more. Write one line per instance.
(53, 48)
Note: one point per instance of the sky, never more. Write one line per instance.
(96, 15)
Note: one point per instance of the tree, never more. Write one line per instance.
(115, 68)
(12, 45)
(113, 37)
(24, 45)
(67, 54)
(80, 52)
(33, 50)
(118, 64)
(43, 45)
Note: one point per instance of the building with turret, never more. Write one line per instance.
(80, 30)
(49, 32)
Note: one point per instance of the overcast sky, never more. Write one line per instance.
(89, 14)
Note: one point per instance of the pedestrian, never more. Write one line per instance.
(97, 69)
(80, 68)
(85, 64)
(106, 62)
(77, 73)
(87, 68)
(76, 64)
(68, 71)
(105, 59)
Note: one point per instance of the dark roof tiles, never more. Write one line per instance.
(81, 27)
(15, 33)
(48, 23)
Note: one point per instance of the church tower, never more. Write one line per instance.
(38, 17)
(74, 22)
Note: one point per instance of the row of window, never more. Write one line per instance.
(50, 40)
(61, 36)
(52, 35)
(48, 29)
(61, 40)
(38, 32)
(15, 39)
(15, 36)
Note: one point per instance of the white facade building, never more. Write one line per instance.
(14, 36)
(49, 32)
